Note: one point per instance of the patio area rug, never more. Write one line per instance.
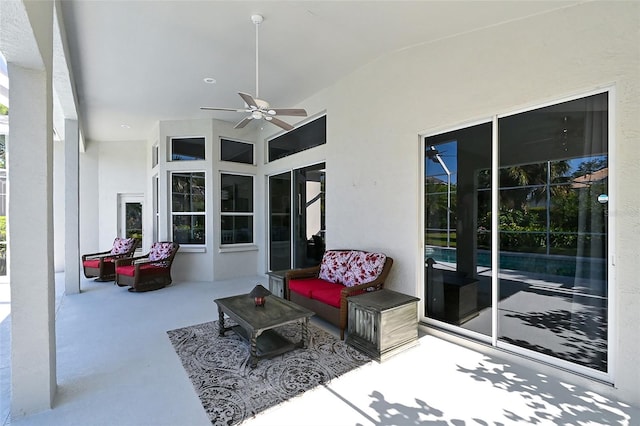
(231, 391)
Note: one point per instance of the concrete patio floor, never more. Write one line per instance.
(116, 366)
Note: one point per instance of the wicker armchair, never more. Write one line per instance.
(102, 265)
(151, 271)
(334, 315)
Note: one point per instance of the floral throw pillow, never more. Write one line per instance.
(334, 265)
(160, 251)
(364, 267)
(122, 245)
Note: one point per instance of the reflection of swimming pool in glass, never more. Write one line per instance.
(566, 266)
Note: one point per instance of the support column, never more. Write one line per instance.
(71, 208)
(30, 214)
(30, 224)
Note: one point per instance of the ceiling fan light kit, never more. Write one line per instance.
(257, 108)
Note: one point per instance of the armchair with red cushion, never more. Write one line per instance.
(151, 271)
(102, 265)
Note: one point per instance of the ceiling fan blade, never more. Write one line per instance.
(221, 109)
(248, 99)
(289, 111)
(280, 123)
(243, 122)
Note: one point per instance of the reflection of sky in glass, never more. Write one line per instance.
(3, 65)
(576, 162)
(449, 155)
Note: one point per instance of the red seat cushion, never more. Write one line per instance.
(146, 269)
(328, 294)
(95, 263)
(306, 286)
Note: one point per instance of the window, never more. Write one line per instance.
(302, 138)
(154, 155)
(545, 203)
(235, 151)
(188, 207)
(187, 149)
(236, 201)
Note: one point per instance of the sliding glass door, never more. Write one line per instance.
(296, 212)
(553, 197)
(280, 222)
(539, 179)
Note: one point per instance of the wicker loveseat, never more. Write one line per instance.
(325, 288)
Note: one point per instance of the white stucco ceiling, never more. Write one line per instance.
(137, 62)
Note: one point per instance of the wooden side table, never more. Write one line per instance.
(382, 323)
(276, 283)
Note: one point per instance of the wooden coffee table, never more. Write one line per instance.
(256, 324)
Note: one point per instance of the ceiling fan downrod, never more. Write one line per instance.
(257, 20)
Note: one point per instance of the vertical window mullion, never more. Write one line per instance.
(495, 223)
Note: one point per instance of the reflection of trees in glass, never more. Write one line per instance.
(133, 216)
(2, 151)
(436, 213)
(531, 183)
(188, 192)
(527, 191)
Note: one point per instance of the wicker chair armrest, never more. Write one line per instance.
(129, 260)
(96, 255)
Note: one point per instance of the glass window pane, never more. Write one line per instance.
(280, 222)
(457, 221)
(187, 149)
(236, 193)
(304, 137)
(189, 229)
(133, 217)
(237, 152)
(237, 229)
(188, 192)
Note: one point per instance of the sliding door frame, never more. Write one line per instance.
(605, 376)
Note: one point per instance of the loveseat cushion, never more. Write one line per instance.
(329, 294)
(334, 265)
(146, 269)
(307, 286)
(363, 267)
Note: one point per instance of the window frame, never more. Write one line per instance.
(251, 214)
(173, 213)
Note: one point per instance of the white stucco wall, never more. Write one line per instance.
(115, 168)
(89, 205)
(375, 117)
(58, 205)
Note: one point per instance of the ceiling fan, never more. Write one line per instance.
(258, 108)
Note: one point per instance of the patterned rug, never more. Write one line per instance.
(231, 391)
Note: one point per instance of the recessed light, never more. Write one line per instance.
(125, 126)
(209, 80)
